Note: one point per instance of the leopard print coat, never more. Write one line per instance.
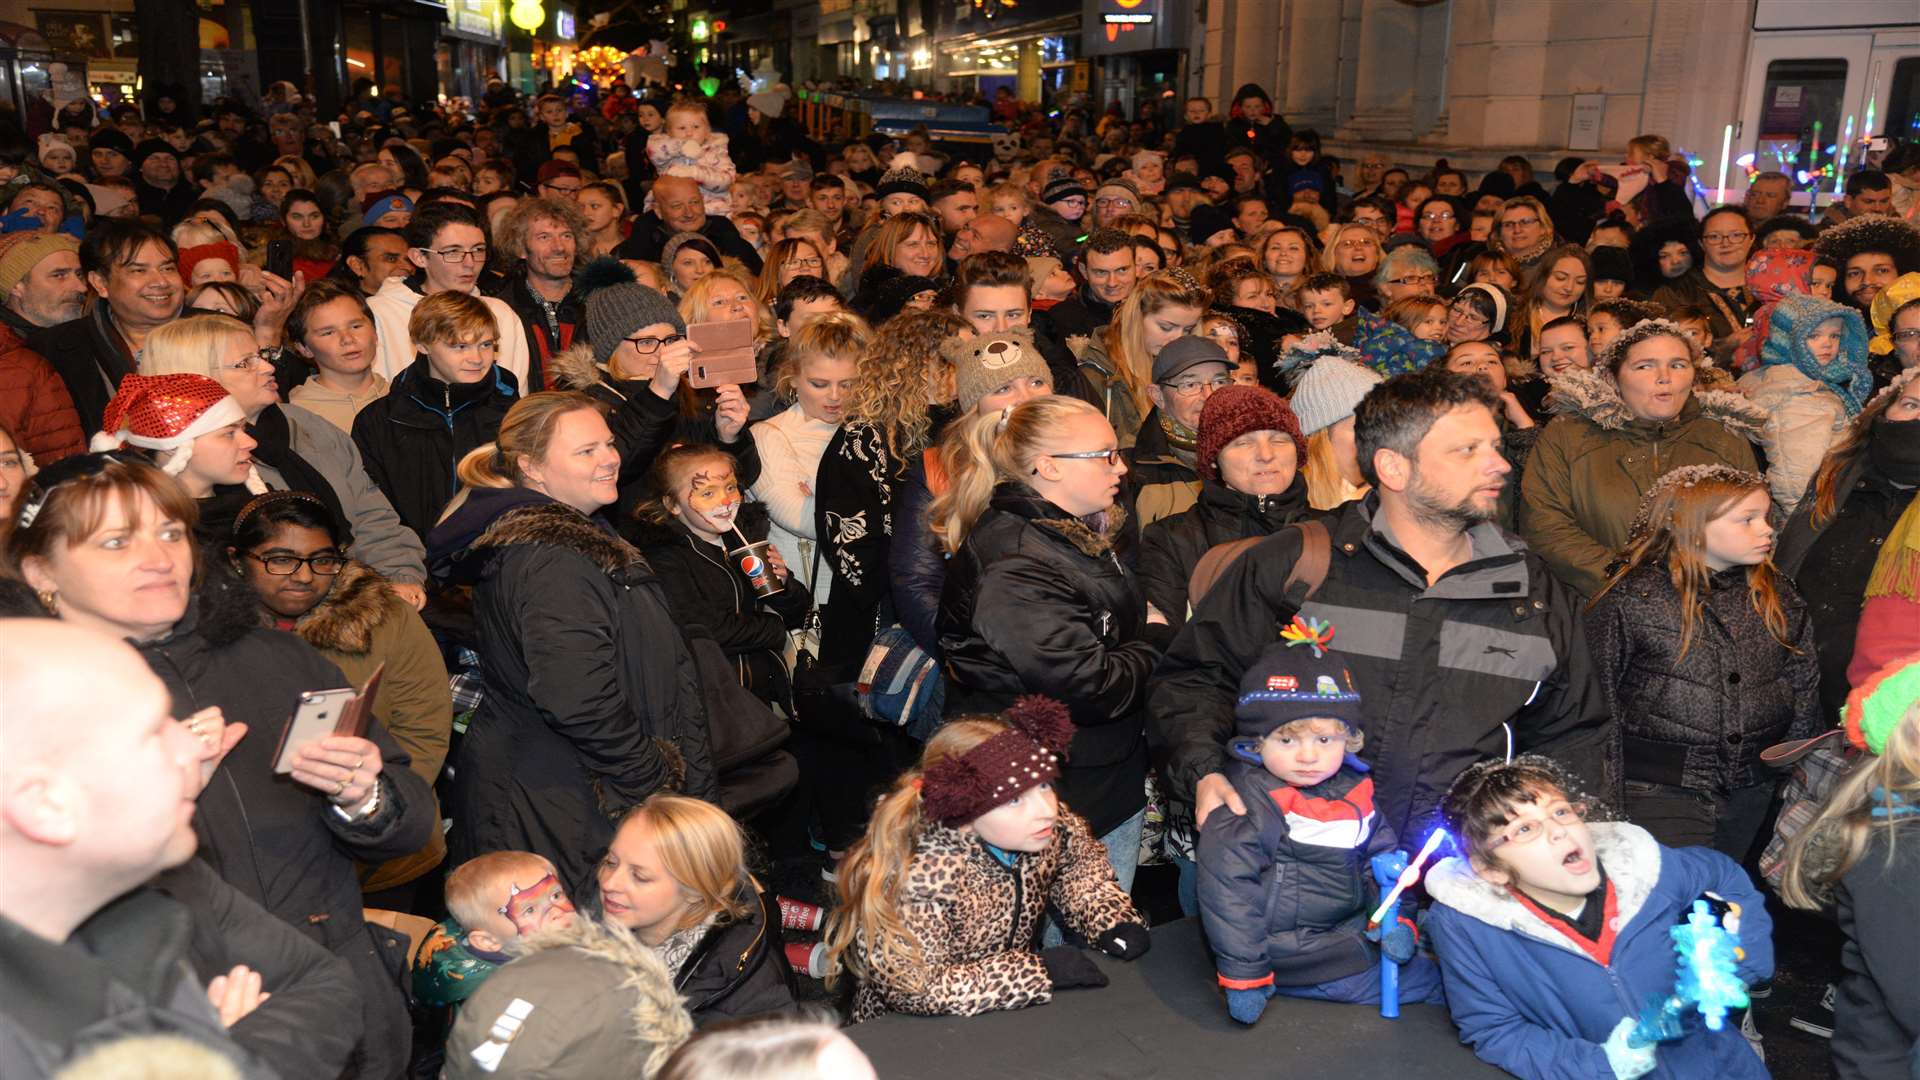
(976, 920)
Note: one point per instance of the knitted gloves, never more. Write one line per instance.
(1127, 941)
(1627, 1062)
(1247, 1005)
(1068, 968)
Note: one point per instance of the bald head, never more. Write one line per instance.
(678, 201)
(992, 233)
(97, 793)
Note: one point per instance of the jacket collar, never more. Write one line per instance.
(1219, 500)
(1594, 396)
(345, 621)
(1629, 853)
(138, 941)
(559, 525)
(418, 384)
(1093, 535)
(1495, 570)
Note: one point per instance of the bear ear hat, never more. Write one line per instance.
(1044, 720)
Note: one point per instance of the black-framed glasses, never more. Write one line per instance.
(1186, 388)
(325, 564)
(647, 346)
(1112, 457)
(477, 253)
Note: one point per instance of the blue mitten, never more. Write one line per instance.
(1247, 1005)
(1398, 943)
(74, 227)
(1626, 1060)
(21, 220)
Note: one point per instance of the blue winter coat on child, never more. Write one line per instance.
(1285, 890)
(1530, 1001)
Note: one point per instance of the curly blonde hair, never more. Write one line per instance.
(897, 377)
(839, 335)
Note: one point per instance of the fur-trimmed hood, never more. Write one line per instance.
(1629, 854)
(576, 369)
(358, 603)
(559, 525)
(1082, 532)
(1594, 396)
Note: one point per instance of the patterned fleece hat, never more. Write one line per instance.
(902, 181)
(191, 257)
(1294, 679)
(957, 790)
(1329, 390)
(166, 413)
(1233, 411)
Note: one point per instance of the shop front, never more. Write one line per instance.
(1139, 48)
(472, 47)
(1034, 59)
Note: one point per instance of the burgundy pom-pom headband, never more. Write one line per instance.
(958, 789)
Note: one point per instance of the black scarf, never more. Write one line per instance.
(1893, 447)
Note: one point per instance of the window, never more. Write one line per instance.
(1800, 118)
(1903, 101)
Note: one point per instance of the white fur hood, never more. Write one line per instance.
(1628, 852)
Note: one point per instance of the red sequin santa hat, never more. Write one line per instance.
(168, 412)
(956, 790)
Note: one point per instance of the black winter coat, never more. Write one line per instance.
(544, 342)
(593, 701)
(1831, 564)
(917, 560)
(1171, 547)
(738, 969)
(1439, 667)
(413, 438)
(1277, 904)
(279, 843)
(91, 358)
(1037, 602)
(649, 236)
(1700, 721)
(705, 588)
(311, 1025)
(1876, 1030)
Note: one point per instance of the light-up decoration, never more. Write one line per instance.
(528, 15)
(709, 85)
(699, 31)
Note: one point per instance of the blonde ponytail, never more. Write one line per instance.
(865, 932)
(982, 451)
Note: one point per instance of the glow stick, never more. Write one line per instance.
(1726, 151)
(1840, 168)
(1407, 877)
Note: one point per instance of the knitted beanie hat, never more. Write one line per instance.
(1063, 186)
(1611, 263)
(379, 206)
(688, 239)
(768, 103)
(1233, 411)
(1329, 390)
(616, 311)
(1877, 706)
(956, 790)
(149, 147)
(168, 412)
(199, 253)
(22, 251)
(901, 181)
(107, 138)
(984, 364)
(1295, 678)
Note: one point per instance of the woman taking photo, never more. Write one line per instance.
(108, 545)
(675, 876)
(1037, 601)
(1117, 365)
(291, 550)
(592, 699)
(1620, 427)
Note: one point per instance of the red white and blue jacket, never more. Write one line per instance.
(1285, 890)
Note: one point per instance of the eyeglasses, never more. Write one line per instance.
(1413, 279)
(1111, 457)
(1190, 387)
(1520, 223)
(1106, 203)
(1906, 335)
(326, 564)
(1560, 815)
(477, 253)
(1727, 237)
(249, 362)
(1446, 216)
(647, 346)
(1466, 315)
(802, 264)
(561, 190)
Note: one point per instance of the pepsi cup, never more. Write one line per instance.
(752, 561)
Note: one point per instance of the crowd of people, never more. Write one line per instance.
(690, 496)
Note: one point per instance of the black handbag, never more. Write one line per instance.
(826, 697)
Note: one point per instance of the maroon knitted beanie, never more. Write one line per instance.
(957, 790)
(1233, 411)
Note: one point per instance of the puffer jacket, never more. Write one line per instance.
(916, 556)
(975, 918)
(362, 626)
(34, 403)
(1037, 602)
(645, 424)
(1595, 461)
(1171, 547)
(1441, 667)
(1699, 721)
(1805, 416)
(706, 588)
(281, 844)
(738, 968)
(1160, 477)
(1532, 1002)
(593, 699)
(1286, 888)
(413, 439)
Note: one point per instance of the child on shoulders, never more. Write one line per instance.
(1311, 825)
(941, 901)
(691, 148)
(492, 901)
(1552, 932)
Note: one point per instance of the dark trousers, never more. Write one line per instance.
(1728, 822)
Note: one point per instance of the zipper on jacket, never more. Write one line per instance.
(739, 662)
(1019, 901)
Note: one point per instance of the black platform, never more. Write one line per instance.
(1164, 1017)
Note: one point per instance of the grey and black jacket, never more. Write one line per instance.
(1441, 668)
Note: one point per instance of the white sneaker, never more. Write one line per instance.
(1820, 1022)
(1752, 1035)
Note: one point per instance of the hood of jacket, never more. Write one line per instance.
(356, 605)
(653, 1010)
(558, 525)
(1092, 535)
(574, 368)
(451, 558)
(1629, 854)
(1797, 316)
(1595, 397)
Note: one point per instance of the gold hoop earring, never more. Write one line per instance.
(50, 600)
